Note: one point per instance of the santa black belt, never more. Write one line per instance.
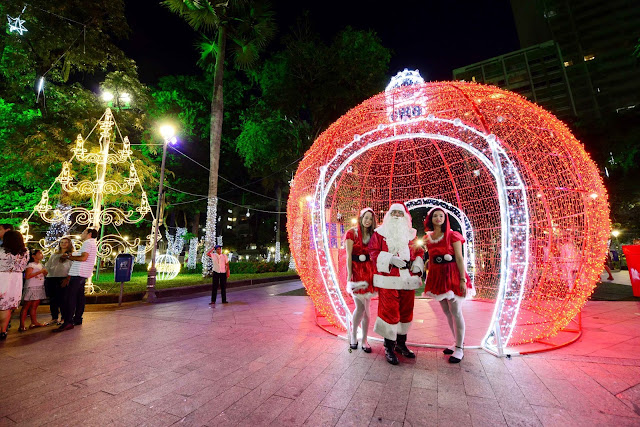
(440, 260)
(360, 258)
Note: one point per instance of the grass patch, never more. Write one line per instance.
(139, 280)
(302, 292)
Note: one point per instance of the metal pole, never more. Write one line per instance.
(151, 278)
(99, 259)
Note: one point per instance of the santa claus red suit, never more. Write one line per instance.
(399, 264)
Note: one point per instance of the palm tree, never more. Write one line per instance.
(244, 27)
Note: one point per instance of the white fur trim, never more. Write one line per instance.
(450, 295)
(418, 262)
(354, 286)
(364, 297)
(403, 328)
(434, 240)
(383, 264)
(396, 282)
(386, 330)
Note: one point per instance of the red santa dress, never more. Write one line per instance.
(443, 278)
(396, 287)
(361, 284)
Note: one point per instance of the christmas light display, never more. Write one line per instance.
(99, 215)
(167, 267)
(58, 229)
(141, 256)
(522, 188)
(17, 24)
(193, 253)
(209, 235)
(176, 243)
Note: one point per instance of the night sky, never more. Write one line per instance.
(433, 36)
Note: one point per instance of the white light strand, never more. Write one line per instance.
(193, 253)
(209, 235)
(141, 255)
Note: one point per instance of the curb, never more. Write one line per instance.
(184, 290)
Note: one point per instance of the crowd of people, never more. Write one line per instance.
(24, 277)
(388, 261)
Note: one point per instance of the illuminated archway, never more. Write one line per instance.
(526, 184)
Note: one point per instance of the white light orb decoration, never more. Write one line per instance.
(167, 267)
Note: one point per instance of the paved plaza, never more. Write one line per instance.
(261, 360)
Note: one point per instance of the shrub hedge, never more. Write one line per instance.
(242, 267)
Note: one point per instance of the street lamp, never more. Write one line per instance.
(167, 132)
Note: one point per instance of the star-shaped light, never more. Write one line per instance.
(16, 24)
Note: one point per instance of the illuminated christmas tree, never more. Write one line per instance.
(107, 182)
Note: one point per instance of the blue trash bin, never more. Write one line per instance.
(122, 269)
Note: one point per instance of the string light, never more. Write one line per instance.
(534, 203)
(193, 253)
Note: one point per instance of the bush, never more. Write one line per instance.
(140, 267)
(252, 267)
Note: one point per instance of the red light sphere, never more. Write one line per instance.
(523, 188)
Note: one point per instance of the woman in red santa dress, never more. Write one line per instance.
(360, 276)
(447, 281)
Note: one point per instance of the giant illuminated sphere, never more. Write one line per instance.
(524, 191)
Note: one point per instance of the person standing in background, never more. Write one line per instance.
(81, 269)
(58, 268)
(13, 260)
(220, 274)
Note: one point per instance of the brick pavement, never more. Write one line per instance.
(261, 360)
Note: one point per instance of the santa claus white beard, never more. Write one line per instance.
(397, 235)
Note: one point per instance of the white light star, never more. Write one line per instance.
(16, 24)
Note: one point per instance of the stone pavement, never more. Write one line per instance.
(261, 360)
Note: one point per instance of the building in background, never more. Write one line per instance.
(537, 73)
(593, 39)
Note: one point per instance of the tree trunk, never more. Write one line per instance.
(278, 201)
(215, 136)
(195, 224)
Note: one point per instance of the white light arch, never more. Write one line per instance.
(512, 198)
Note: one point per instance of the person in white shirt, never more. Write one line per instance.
(58, 269)
(81, 269)
(220, 274)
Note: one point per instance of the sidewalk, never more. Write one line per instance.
(261, 360)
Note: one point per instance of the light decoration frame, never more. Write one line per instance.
(537, 168)
(17, 24)
(99, 215)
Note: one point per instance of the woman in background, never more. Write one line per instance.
(13, 260)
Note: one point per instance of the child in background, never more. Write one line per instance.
(33, 290)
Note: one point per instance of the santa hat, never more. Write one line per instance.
(365, 210)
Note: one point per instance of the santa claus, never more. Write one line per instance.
(399, 264)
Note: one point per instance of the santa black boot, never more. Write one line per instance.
(401, 347)
(388, 351)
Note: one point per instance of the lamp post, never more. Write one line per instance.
(167, 132)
